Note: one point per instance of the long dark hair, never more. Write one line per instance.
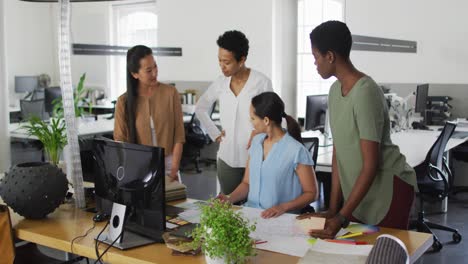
(269, 104)
(134, 55)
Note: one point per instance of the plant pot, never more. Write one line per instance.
(34, 189)
(214, 260)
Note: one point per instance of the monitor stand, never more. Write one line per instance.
(130, 240)
(117, 236)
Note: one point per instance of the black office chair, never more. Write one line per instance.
(32, 107)
(433, 177)
(195, 140)
(312, 144)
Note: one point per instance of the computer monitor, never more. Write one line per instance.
(316, 109)
(422, 91)
(26, 84)
(132, 177)
(50, 95)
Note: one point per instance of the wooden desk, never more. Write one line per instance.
(67, 222)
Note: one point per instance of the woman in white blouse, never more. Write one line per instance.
(234, 91)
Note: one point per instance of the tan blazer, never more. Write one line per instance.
(166, 110)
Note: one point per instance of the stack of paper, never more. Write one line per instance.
(175, 190)
(328, 252)
(308, 224)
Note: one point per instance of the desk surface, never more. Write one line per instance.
(102, 125)
(67, 222)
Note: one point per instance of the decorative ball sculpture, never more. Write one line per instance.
(34, 189)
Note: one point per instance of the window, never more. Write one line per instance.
(132, 24)
(310, 14)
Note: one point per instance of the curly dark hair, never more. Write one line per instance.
(332, 36)
(236, 42)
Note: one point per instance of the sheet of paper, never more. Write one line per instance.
(281, 233)
(325, 258)
(289, 245)
(338, 248)
(284, 225)
(191, 215)
(170, 225)
(311, 223)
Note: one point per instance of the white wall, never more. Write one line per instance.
(196, 25)
(192, 25)
(28, 41)
(284, 50)
(90, 25)
(439, 27)
(4, 118)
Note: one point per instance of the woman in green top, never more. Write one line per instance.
(370, 177)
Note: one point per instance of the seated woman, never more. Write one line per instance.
(150, 113)
(279, 176)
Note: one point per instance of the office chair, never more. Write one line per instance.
(33, 107)
(434, 178)
(195, 140)
(25, 253)
(312, 145)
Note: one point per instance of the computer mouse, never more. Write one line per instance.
(100, 217)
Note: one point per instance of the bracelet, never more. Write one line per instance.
(343, 220)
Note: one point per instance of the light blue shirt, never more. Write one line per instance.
(274, 180)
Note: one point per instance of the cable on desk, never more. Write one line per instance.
(108, 247)
(82, 236)
(96, 244)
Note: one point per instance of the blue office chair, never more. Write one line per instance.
(312, 145)
(433, 177)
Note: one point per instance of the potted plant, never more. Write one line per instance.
(79, 101)
(52, 135)
(35, 189)
(223, 234)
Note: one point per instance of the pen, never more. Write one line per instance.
(348, 242)
(352, 235)
(260, 242)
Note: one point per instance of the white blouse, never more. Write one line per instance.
(234, 115)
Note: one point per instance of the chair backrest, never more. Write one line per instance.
(434, 174)
(312, 144)
(436, 153)
(7, 246)
(33, 107)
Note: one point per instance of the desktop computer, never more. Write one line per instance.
(131, 178)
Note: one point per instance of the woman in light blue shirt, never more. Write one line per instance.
(279, 176)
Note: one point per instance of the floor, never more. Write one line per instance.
(203, 186)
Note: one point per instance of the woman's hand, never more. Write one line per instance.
(174, 177)
(223, 198)
(220, 137)
(326, 214)
(332, 226)
(274, 211)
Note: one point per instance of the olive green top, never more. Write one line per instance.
(363, 114)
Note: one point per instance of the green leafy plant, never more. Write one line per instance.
(52, 135)
(223, 233)
(79, 101)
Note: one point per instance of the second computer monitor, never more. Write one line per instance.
(50, 95)
(316, 109)
(422, 91)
